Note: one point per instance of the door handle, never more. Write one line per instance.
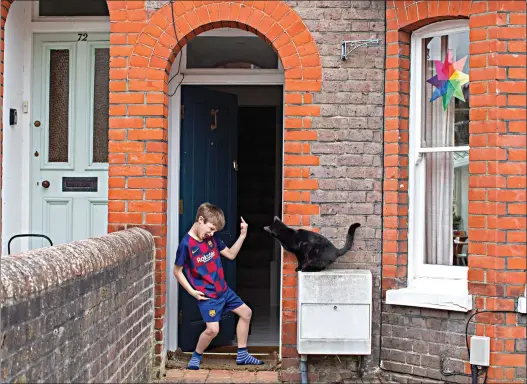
(45, 184)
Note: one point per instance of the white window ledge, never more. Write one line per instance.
(522, 304)
(445, 294)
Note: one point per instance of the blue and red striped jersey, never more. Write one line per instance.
(201, 262)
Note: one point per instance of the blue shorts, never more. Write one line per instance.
(212, 309)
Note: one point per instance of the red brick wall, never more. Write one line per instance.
(497, 209)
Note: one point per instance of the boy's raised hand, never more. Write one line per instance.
(243, 227)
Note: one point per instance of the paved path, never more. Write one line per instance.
(218, 376)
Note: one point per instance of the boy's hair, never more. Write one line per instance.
(212, 214)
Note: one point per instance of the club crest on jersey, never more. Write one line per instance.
(212, 313)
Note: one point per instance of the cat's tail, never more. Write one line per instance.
(349, 240)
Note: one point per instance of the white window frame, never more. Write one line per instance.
(428, 285)
(270, 74)
(522, 302)
(35, 16)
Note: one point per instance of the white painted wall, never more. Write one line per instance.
(16, 143)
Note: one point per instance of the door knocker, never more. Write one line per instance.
(214, 112)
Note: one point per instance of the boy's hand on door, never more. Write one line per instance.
(243, 227)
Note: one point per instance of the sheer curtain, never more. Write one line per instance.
(439, 188)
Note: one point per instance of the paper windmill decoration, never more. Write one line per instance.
(449, 79)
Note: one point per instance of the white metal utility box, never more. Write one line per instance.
(334, 312)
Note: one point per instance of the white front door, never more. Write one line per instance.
(69, 125)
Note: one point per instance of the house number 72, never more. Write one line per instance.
(82, 36)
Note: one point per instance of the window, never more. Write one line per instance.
(438, 170)
(230, 51)
(242, 52)
(439, 151)
(62, 9)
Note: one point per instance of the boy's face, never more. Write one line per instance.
(205, 230)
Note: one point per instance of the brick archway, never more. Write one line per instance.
(139, 123)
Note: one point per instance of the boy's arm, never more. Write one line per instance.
(181, 257)
(180, 276)
(231, 253)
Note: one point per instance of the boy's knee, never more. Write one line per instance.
(246, 315)
(212, 330)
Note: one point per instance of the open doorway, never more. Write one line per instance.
(252, 191)
(259, 200)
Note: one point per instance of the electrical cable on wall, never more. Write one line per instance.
(478, 370)
(180, 53)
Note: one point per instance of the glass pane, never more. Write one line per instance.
(59, 103)
(73, 8)
(446, 208)
(101, 105)
(446, 90)
(230, 52)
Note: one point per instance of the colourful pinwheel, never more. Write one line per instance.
(449, 79)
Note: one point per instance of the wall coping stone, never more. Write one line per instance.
(28, 273)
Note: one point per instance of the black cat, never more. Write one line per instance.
(313, 251)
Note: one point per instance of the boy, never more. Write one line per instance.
(198, 260)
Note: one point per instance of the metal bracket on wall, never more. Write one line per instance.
(354, 44)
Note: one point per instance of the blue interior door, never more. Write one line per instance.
(208, 155)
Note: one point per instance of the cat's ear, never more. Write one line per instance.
(276, 219)
(267, 229)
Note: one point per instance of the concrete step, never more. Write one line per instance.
(225, 361)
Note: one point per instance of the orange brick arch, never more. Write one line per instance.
(139, 122)
(273, 21)
(411, 15)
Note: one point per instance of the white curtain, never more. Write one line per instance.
(439, 188)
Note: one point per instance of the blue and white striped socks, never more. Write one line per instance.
(244, 358)
(195, 361)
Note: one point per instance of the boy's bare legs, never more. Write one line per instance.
(242, 333)
(242, 329)
(204, 340)
(206, 336)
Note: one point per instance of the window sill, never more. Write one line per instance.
(522, 305)
(445, 294)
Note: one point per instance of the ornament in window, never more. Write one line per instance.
(449, 79)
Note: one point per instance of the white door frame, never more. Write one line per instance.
(34, 25)
(198, 77)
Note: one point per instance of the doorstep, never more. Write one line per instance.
(225, 361)
(219, 376)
